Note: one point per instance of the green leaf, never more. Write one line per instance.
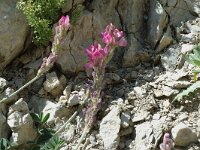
(45, 118)
(4, 144)
(35, 117)
(53, 144)
(190, 89)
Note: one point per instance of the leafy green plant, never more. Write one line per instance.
(4, 144)
(41, 14)
(192, 58)
(53, 144)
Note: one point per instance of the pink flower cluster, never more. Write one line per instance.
(96, 55)
(63, 26)
(167, 142)
(111, 37)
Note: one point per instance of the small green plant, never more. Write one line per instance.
(41, 14)
(192, 58)
(4, 144)
(46, 139)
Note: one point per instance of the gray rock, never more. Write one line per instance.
(186, 48)
(4, 128)
(140, 116)
(181, 9)
(165, 41)
(111, 78)
(183, 135)
(170, 57)
(139, 91)
(178, 84)
(158, 20)
(69, 133)
(134, 74)
(21, 123)
(3, 84)
(53, 84)
(109, 129)
(8, 91)
(73, 100)
(144, 136)
(44, 105)
(125, 118)
(13, 29)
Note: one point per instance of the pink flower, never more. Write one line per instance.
(107, 38)
(114, 36)
(96, 55)
(64, 21)
(167, 142)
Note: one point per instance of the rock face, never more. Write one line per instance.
(145, 22)
(109, 129)
(21, 123)
(13, 32)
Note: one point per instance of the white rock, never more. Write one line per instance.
(139, 91)
(44, 105)
(3, 84)
(144, 136)
(53, 84)
(73, 100)
(109, 129)
(140, 116)
(125, 118)
(21, 123)
(14, 30)
(186, 48)
(183, 135)
(170, 57)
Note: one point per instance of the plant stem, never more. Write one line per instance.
(85, 131)
(8, 98)
(65, 124)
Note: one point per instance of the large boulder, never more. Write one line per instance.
(86, 30)
(13, 32)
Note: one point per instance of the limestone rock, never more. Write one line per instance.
(53, 84)
(183, 135)
(73, 100)
(44, 105)
(4, 128)
(21, 123)
(158, 20)
(13, 29)
(125, 118)
(144, 136)
(3, 84)
(181, 9)
(169, 59)
(109, 129)
(165, 41)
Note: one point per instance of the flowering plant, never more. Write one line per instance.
(99, 57)
(49, 61)
(167, 142)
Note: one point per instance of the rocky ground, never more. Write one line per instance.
(136, 110)
(137, 107)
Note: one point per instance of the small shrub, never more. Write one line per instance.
(192, 58)
(41, 15)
